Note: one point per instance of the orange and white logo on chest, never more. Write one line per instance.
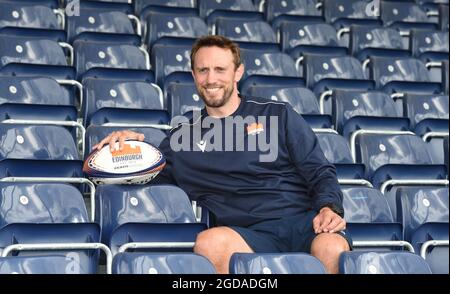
(255, 128)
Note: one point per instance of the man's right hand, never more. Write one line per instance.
(120, 136)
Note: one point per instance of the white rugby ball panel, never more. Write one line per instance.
(137, 163)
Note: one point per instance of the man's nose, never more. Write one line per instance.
(211, 77)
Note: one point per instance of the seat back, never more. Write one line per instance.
(360, 262)
(51, 264)
(273, 263)
(245, 30)
(28, 15)
(153, 204)
(41, 203)
(102, 93)
(99, 21)
(161, 263)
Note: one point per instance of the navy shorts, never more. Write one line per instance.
(290, 234)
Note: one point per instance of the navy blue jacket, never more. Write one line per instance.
(240, 189)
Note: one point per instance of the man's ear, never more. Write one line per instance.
(239, 73)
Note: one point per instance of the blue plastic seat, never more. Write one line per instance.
(325, 72)
(368, 41)
(39, 213)
(405, 16)
(52, 264)
(28, 15)
(425, 217)
(20, 49)
(99, 21)
(41, 203)
(337, 152)
(342, 13)
(118, 95)
(400, 75)
(206, 7)
(161, 263)
(173, 24)
(369, 110)
(182, 98)
(360, 262)
(275, 263)
(145, 213)
(274, 9)
(369, 219)
(429, 119)
(245, 30)
(140, 5)
(40, 234)
(33, 98)
(169, 58)
(38, 151)
(429, 45)
(298, 38)
(394, 156)
(90, 55)
(269, 64)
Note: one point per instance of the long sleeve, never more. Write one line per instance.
(313, 167)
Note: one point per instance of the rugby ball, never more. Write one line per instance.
(137, 163)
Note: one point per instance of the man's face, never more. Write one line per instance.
(215, 75)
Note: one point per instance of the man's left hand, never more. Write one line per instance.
(327, 221)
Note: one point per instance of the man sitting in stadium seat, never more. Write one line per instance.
(286, 201)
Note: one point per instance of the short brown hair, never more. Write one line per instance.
(216, 41)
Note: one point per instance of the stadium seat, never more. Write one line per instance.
(117, 95)
(206, 7)
(28, 15)
(113, 55)
(274, 9)
(140, 5)
(245, 30)
(52, 264)
(53, 211)
(161, 263)
(405, 16)
(370, 221)
(77, 241)
(269, 64)
(182, 98)
(40, 98)
(432, 48)
(99, 21)
(43, 151)
(424, 214)
(324, 73)
(395, 157)
(169, 58)
(368, 110)
(368, 41)
(41, 203)
(360, 262)
(151, 213)
(400, 75)
(337, 152)
(176, 23)
(342, 13)
(273, 263)
(29, 50)
(298, 38)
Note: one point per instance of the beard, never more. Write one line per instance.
(216, 101)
